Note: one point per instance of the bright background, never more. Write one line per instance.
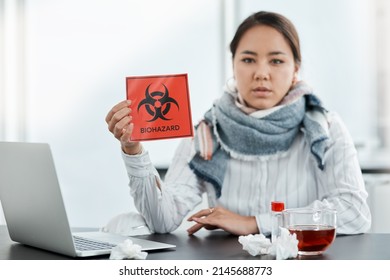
(64, 63)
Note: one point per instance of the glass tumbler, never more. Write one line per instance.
(315, 228)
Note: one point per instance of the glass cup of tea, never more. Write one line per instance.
(315, 228)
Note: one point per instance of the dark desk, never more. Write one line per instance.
(217, 245)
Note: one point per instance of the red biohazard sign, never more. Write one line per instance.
(160, 106)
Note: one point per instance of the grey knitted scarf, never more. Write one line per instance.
(238, 135)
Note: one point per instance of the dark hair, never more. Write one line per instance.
(274, 20)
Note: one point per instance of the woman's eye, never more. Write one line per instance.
(248, 60)
(276, 61)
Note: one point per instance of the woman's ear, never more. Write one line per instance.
(295, 76)
(295, 79)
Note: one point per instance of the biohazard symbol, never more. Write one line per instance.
(157, 104)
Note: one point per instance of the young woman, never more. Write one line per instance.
(266, 138)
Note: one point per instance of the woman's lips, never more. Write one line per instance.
(261, 92)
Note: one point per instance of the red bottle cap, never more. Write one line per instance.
(277, 206)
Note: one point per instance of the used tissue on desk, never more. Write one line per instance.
(284, 247)
(127, 250)
(256, 244)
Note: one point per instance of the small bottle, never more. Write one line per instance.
(276, 219)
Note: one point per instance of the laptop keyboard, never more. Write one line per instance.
(85, 244)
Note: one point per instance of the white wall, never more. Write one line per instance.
(78, 54)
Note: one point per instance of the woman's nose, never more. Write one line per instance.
(262, 73)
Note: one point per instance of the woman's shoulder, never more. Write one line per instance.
(335, 122)
(337, 128)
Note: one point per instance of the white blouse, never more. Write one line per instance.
(249, 186)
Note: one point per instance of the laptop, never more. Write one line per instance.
(34, 209)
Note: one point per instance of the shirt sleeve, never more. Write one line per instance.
(341, 184)
(163, 204)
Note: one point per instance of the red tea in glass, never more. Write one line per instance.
(313, 239)
(315, 228)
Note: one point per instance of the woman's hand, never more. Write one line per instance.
(213, 218)
(120, 125)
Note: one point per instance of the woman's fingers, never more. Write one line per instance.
(194, 229)
(202, 213)
(126, 132)
(116, 108)
(222, 218)
(118, 117)
(202, 219)
(121, 126)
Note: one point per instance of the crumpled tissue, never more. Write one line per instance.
(256, 244)
(127, 250)
(284, 247)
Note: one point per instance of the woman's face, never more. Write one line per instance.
(263, 67)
